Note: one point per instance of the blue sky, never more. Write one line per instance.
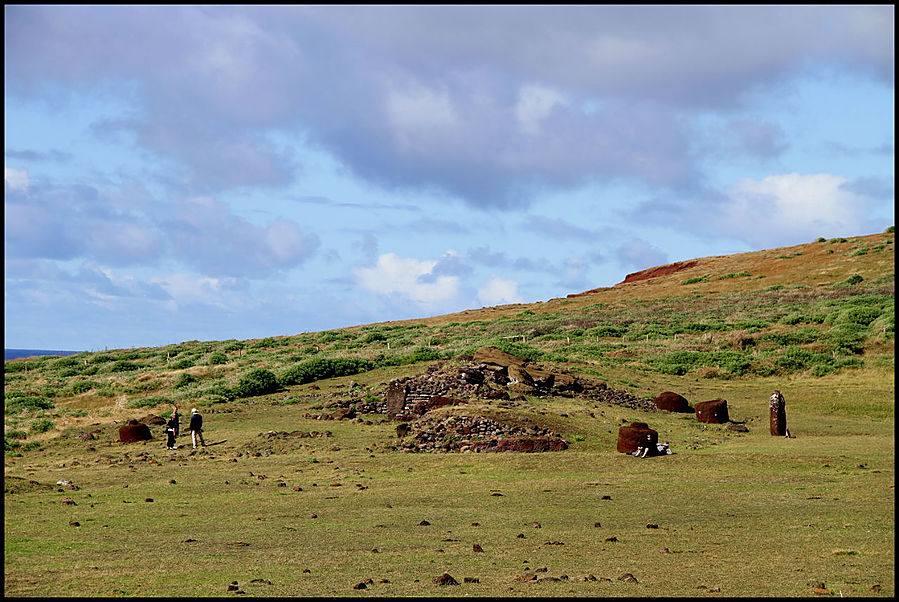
(179, 173)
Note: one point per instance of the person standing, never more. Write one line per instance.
(196, 428)
(170, 434)
(176, 418)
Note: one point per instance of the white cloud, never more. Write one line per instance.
(17, 179)
(187, 289)
(792, 207)
(534, 104)
(408, 277)
(498, 291)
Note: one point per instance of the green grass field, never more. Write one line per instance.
(729, 514)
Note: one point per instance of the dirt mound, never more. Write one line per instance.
(21, 485)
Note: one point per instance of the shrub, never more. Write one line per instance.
(846, 338)
(82, 386)
(820, 239)
(22, 403)
(797, 337)
(696, 279)
(217, 358)
(321, 368)
(148, 402)
(124, 366)
(852, 280)
(734, 275)
(184, 380)
(257, 381)
(606, 331)
(890, 230)
(182, 364)
(41, 425)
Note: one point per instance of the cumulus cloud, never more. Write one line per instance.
(792, 207)
(409, 278)
(498, 291)
(17, 179)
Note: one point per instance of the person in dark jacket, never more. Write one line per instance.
(176, 418)
(196, 428)
(170, 433)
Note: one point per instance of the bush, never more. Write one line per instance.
(81, 386)
(182, 364)
(890, 230)
(217, 358)
(148, 402)
(321, 368)
(124, 366)
(257, 381)
(853, 280)
(184, 380)
(17, 404)
(41, 425)
(606, 331)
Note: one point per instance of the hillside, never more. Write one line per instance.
(317, 480)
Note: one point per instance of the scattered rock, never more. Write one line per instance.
(477, 548)
(67, 501)
(445, 579)
(360, 585)
(470, 580)
(627, 578)
(74, 523)
(652, 526)
(612, 539)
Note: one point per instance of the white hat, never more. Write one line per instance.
(193, 411)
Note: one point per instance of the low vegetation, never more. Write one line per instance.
(286, 503)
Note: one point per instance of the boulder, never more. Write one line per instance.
(496, 358)
(672, 402)
(436, 401)
(634, 435)
(134, 431)
(712, 412)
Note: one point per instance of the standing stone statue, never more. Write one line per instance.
(778, 415)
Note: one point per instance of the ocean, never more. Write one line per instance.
(11, 354)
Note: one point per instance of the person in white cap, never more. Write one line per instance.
(196, 428)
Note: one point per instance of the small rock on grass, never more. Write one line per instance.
(445, 579)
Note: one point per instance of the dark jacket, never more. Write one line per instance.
(196, 422)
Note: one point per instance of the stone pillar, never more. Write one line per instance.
(778, 415)
(396, 399)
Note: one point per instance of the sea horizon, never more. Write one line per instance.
(12, 354)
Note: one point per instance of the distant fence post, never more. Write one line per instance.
(778, 415)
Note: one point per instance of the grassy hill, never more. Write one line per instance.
(289, 503)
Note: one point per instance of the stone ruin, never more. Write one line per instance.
(459, 433)
(134, 431)
(672, 402)
(712, 412)
(490, 375)
(634, 435)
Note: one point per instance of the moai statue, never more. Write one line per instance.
(778, 415)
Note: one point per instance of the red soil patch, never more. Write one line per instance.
(662, 270)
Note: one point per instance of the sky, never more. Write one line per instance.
(178, 173)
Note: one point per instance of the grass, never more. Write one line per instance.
(751, 514)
